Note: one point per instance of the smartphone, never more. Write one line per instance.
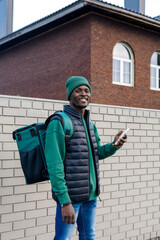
(121, 136)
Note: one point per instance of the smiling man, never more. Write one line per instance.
(74, 169)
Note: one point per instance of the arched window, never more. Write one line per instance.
(155, 71)
(122, 65)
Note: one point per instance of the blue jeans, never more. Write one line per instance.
(85, 215)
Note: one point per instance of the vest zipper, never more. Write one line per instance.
(94, 160)
(88, 152)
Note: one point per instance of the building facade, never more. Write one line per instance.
(117, 50)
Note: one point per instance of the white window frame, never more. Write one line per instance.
(122, 60)
(157, 67)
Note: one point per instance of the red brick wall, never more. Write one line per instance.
(40, 67)
(105, 34)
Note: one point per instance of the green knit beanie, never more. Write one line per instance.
(74, 82)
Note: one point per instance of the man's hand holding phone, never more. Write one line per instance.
(120, 138)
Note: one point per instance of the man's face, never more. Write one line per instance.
(80, 97)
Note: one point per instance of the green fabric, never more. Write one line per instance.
(74, 82)
(55, 154)
(27, 142)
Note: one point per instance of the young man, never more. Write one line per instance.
(74, 169)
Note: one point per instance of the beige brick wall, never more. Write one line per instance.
(130, 180)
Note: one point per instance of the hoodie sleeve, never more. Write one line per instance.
(55, 154)
(105, 150)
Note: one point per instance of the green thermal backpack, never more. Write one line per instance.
(31, 144)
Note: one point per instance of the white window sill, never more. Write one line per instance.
(155, 89)
(123, 84)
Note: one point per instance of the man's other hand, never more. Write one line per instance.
(68, 214)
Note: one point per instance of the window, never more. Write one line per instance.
(122, 65)
(155, 71)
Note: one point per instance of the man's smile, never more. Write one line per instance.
(83, 99)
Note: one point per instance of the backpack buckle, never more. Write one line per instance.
(19, 137)
(33, 132)
(44, 173)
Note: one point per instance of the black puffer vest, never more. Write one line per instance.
(76, 163)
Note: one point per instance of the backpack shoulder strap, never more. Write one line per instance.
(67, 123)
(65, 120)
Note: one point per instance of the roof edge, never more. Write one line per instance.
(42, 22)
(123, 11)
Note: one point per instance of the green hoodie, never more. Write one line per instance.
(55, 155)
